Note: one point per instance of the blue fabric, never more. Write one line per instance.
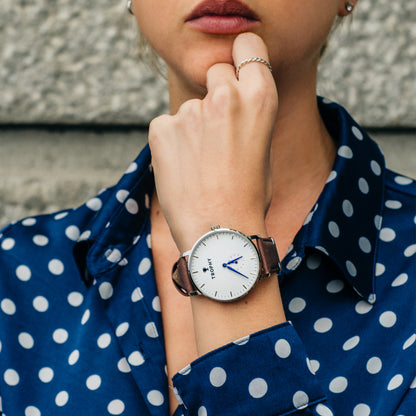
(80, 320)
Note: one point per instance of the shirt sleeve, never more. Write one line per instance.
(267, 372)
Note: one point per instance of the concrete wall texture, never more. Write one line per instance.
(67, 61)
(73, 63)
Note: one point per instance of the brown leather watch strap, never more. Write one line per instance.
(181, 279)
(268, 254)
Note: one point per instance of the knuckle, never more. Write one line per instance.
(224, 95)
(262, 94)
(156, 128)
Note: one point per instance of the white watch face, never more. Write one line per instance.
(224, 265)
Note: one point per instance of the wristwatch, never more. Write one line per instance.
(225, 264)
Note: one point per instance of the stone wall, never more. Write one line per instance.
(72, 62)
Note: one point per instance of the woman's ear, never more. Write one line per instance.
(346, 7)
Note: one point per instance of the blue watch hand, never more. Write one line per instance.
(236, 271)
(233, 261)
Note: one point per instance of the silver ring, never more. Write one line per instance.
(249, 60)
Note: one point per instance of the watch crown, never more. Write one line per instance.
(215, 227)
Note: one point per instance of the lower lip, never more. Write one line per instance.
(224, 25)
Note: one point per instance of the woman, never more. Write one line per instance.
(91, 321)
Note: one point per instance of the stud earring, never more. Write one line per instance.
(349, 6)
(130, 6)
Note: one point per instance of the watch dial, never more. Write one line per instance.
(224, 265)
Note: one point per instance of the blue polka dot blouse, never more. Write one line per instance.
(80, 318)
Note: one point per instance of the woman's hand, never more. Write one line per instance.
(212, 159)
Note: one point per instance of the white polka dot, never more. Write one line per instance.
(380, 269)
(410, 250)
(352, 270)
(28, 222)
(178, 397)
(86, 315)
(8, 306)
(46, 374)
(106, 290)
(374, 365)
(347, 208)
(23, 273)
(413, 384)
(257, 388)
(186, 370)
(410, 341)
(322, 325)
(11, 377)
(104, 340)
(123, 262)
(115, 407)
(151, 330)
(94, 204)
(8, 244)
(294, 263)
(361, 409)
(75, 299)
(345, 151)
(85, 235)
(136, 295)
(357, 132)
(73, 357)
(364, 244)
(363, 186)
(375, 167)
(393, 204)
(32, 411)
(149, 241)
(122, 329)
(60, 215)
(123, 366)
(202, 411)
(156, 304)
(378, 221)
(56, 267)
(26, 340)
(155, 397)
(401, 279)
(322, 410)
(242, 341)
(313, 365)
(113, 256)
(40, 303)
(93, 382)
(335, 286)
(313, 261)
(395, 382)
(387, 234)
(136, 358)
(297, 305)
(351, 343)
(402, 180)
(132, 167)
(338, 384)
(144, 266)
(217, 376)
(333, 229)
(40, 240)
(131, 206)
(73, 232)
(60, 336)
(362, 307)
(282, 348)
(388, 319)
(331, 176)
(300, 400)
(122, 195)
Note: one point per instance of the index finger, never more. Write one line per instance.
(250, 46)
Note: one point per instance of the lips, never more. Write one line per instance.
(222, 8)
(222, 17)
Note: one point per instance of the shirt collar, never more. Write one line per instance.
(344, 223)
